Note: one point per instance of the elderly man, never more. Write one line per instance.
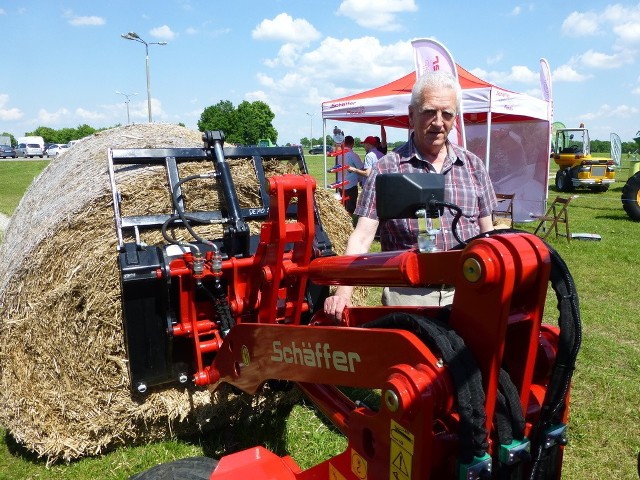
(435, 101)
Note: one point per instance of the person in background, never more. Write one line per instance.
(382, 141)
(353, 163)
(370, 159)
(435, 102)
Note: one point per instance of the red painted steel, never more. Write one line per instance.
(501, 284)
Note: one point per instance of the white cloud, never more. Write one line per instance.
(265, 80)
(52, 118)
(494, 59)
(566, 73)
(516, 11)
(361, 61)
(8, 113)
(593, 59)
(628, 32)
(186, 5)
(523, 74)
(140, 110)
(191, 31)
(286, 29)
(83, 21)
(87, 21)
(622, 20)
(618, 13)
(89, 115)
(2, 11)
(518, 73)
(162, 33)
(607, 111)
(376, 14)
(580, 24)
(287, 56)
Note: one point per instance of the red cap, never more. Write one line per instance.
(370, 140)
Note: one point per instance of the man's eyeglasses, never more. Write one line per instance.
(447, 115)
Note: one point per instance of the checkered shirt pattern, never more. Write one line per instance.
(467, 185)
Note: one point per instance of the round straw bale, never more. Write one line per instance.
(64, 385)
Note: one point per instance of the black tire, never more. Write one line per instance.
(194, 468)
(563, 180)
(631, 197)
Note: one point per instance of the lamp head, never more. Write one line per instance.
(130, 36)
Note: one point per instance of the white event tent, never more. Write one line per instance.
(510, 131)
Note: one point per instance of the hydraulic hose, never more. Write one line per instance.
(456, 219)
(220, 303)
(185, 218)
(464, 371)
(569, 342)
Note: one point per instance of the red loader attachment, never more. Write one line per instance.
(475, 390)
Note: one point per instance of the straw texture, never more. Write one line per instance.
(64, 386)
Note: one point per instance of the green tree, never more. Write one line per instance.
(64, 135)
(48, 134)
(256, 118)
(246, 124)
(84, 130)
(221, 116)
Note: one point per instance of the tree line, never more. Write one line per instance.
(63, 135)
(246, 124)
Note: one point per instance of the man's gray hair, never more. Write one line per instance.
(435, 81)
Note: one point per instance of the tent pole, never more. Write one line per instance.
(324, 142)
(489, 116)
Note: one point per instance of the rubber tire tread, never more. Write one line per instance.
(563, 181)
(630, 197)
(192, 468)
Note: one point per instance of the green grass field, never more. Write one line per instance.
(605, 405)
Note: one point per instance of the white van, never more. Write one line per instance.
(30, 147)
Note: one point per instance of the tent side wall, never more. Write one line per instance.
(519, 162)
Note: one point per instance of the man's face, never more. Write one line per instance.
(432, 119)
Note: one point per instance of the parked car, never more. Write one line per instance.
(319, 149)
(7, 151)
(20, 149)
(56, 149)
(33, 150)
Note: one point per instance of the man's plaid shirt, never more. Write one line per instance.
(467, 185)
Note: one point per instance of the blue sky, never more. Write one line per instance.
(63, 60)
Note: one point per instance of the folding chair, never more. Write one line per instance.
(558, 212)
(504, 208)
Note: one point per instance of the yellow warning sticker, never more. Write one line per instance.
(401, 454)
(358, 465)
(246, 356)
(334, 474)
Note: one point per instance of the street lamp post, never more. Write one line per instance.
(311, 120)
(127, 95)
(134, 36)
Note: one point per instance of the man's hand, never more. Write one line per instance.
(335, 305)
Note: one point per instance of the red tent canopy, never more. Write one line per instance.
(387, 104)
(508, 130)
